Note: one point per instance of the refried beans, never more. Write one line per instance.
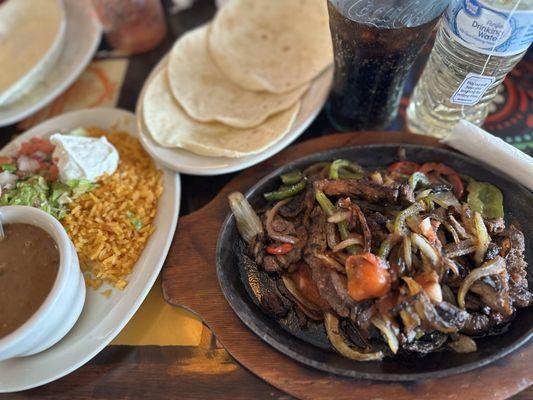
(29, 263)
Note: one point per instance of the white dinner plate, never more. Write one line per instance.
(102, 318)
(184, 161)
(42, 66)
(82, 37)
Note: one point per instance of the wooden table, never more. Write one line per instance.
(207, 371)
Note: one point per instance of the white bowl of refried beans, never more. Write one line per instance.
(42, 290)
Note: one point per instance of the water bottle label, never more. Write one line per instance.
(488, 29)
(472, 89)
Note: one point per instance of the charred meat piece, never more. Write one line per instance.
(359, 219)
(309, 204)
(495, 226)
(494, 292)
(293, 207)
(476, 324)
(451, 315)
(332, 235)
(263, 287)
(517, 268)
(271, 264)
(367, 190)
(520, 296)
(322, 278)
(445, 318)
(340, 284)
(492, 251)
(280, 225)
(377, 223)
(306, 287)
(277, 227)
(317, 241)
(362, 314)
(405, 194)
(428, 343)
(282, 262)
(514, 258)
(273, 304)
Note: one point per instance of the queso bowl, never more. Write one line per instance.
(62, 307)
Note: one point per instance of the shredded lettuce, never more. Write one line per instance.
(35, 191)
(80, 186)
(8, 167)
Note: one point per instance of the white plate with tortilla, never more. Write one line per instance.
(184, 161)
(102, 318)
(82, 37)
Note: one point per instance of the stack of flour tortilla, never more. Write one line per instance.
(232, 88)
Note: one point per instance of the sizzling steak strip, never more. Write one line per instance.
(517, 268)
(317, 243)
(494, 292)
(367, 190)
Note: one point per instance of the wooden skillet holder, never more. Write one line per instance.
(190, 281)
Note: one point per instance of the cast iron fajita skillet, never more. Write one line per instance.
(310, 346)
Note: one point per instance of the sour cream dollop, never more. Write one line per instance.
(79, 157)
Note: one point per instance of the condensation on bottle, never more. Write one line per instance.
(477, 44)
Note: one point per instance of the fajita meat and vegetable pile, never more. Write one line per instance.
(408, 259)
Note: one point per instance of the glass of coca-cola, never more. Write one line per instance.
(375, 43)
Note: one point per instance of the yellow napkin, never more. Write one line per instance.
(160, 324)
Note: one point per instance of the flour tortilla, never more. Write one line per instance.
(208, 95)
(170, 126)
(31, 38)
(273, 45)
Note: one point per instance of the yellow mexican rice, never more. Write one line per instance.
(110, 225)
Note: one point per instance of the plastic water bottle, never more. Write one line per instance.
(477, 44)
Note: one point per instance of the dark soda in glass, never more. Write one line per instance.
(375, 42)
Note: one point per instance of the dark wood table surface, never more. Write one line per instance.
(208, 371)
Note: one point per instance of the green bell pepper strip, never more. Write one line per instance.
(354, 170)
(328, 207)
(325, 203)
(286, 192)
(386, 246)
(399, 222)
(416, 178)
(291, 178)
(486, 199)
